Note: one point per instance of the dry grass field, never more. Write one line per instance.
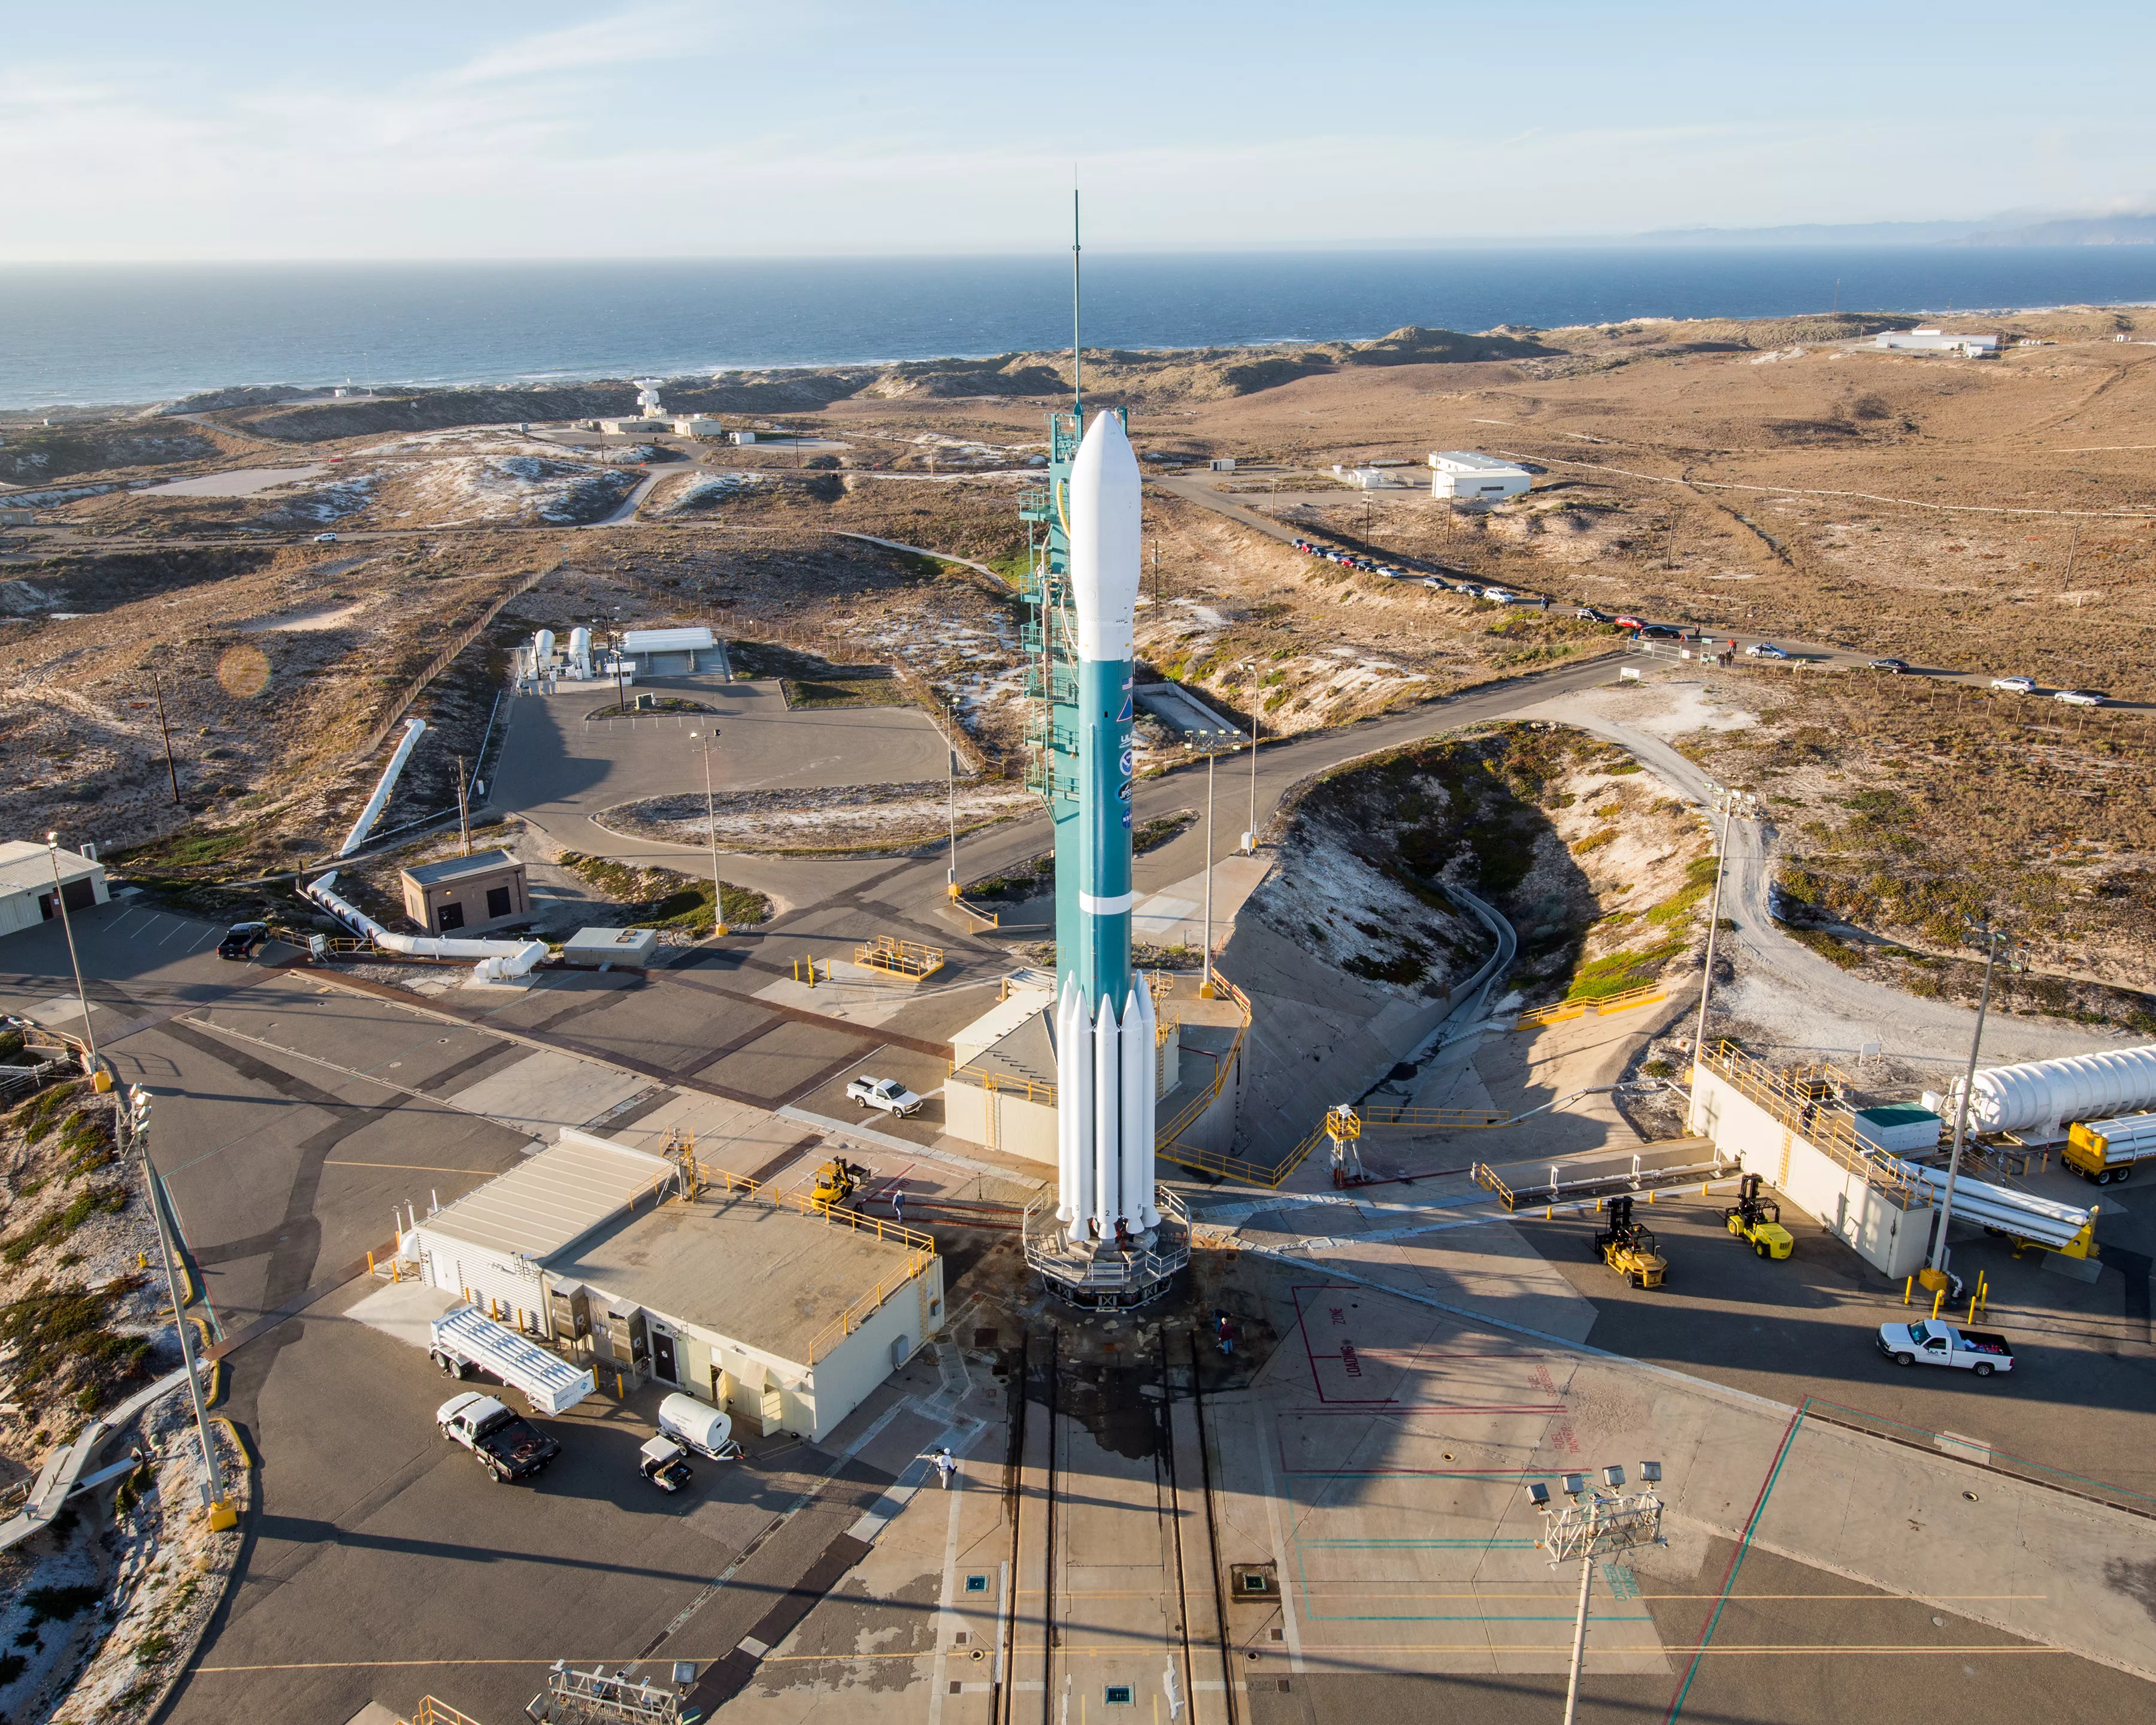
(1784, 479)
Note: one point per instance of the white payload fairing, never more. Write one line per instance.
(1105, 1031)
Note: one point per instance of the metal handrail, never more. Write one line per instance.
(900, 958)
(1115, 1269)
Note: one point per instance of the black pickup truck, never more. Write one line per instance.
(508, 1445)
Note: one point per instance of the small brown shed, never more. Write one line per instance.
(467, 894)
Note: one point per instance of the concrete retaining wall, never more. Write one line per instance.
(1891, 1240)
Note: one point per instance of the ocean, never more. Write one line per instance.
(109, 334)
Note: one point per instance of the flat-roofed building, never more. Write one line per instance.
(28, 895)
(1933, 340)
(756, 1303)
(672, 652)
(467, 894)
(1470, 478)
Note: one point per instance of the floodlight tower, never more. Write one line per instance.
(1595, 1522)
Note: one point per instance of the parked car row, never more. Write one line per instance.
(1370, 566)
(2072, 697)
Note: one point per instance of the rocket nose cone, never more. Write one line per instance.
(1106, 539)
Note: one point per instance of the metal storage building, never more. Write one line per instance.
(27, 895)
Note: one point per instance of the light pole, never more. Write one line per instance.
(100, 1080)
(1250, 834)
(951, 763)
(1995, 939)
(1730, 805)
(711, 825)
(1205, 990)
(135, 1119)
(1597, 1522)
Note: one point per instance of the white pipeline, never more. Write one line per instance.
(499, 961)
(387, 783)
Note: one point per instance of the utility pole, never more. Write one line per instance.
(712, 826)
(136, 1121)
(1729, 804)
(171, 772)
(1993, 939)
(1250, 835)
(464, 806)
(2073, 543)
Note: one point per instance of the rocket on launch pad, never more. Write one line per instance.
(1105, 1031)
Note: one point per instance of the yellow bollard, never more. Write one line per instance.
(1972, 1312)
(396, 1271)
(620, 1388)
(1908, 1288)
(370, 1263)
(1939, 1299)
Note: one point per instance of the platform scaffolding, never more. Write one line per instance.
(1108, 1276)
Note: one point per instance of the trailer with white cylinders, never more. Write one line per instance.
(465, 1338)
(2014, 1211)
(2037, 1102)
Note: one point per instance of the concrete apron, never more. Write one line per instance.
(1398, 1437)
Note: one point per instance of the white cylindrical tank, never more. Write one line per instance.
(2041, 1099)
(580, 651)
(542, 650)
(699, 1426)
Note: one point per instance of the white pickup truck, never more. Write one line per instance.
(1932, 1343)
(887, 1094)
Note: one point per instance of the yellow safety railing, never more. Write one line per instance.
(921, 1248)
(1430, 1119)
(986, 919)
(899, 957)
(1566, 1009)
(1794, 1098)
(438, 1713)
(1033, 1090)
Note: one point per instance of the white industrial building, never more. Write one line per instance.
(637, 427)
(696, 425)
(27, 895)
(672, 652)
(784, 1317)
(1935, 341)
(1467, 477)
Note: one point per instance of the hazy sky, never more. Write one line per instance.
(467, 128)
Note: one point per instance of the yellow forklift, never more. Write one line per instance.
(1628, 1247)
(1759, 1220)
(836, 1183)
